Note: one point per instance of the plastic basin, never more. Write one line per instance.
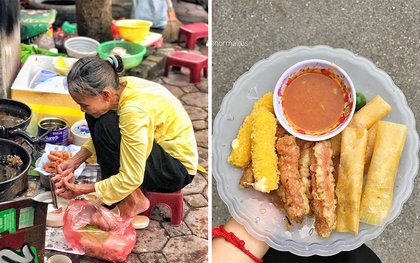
(133, 30)
(135, 51)
(78, 47)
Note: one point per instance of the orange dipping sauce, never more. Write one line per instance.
(313, 101)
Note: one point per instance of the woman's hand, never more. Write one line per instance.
(70, 190)
(66, 189)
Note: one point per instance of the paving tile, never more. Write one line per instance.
(179, 80)
(185, 209)
(176, 91)
(190, 89)
(150, 239)
(131, 258)
(160, 213)
(202, 138)
(196, 200)
(197, 221)
(198, 99)
(203, 153)
(205, 193)
(186, 249)
(203, 85)
(152, 258)
(196, 186)
(176, 231)
(196, 113)
(156, 59)
(199, 125)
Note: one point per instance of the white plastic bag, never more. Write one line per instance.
(155, 11)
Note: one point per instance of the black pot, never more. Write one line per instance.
(12, 187)
(20, 110)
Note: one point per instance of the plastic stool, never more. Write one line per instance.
(192, 61)
(174, 201)
(192, 32)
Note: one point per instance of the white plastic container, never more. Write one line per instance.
(80, 132)
(79, 47)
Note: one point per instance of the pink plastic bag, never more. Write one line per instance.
(95, 231)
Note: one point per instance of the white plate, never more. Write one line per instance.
(253, 209)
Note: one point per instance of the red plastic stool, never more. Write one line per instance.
(192, 61)
(174, 201)
(192, 32)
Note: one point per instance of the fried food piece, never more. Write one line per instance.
(51, 170)
(304, 170)
(264, 157)
(265, 103)
(241, 146)
(336, 146)
(350, 179)
(370, 143)
(297, 205)
(56, 158)
(279, 197)
(377, 195)
(49, 165)
(247, 179)
(371, 113)
(324, 202)
(280, 131)
(65, 155)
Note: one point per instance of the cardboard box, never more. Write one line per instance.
(44, 104)
(22, 231)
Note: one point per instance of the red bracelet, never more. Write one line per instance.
(230, 237)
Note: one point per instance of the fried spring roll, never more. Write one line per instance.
(370, 143)
(264, 157)
(350, 179)
(241, 146)
(336, 145)
(371, 113)
(324, 203)
(377, 195)
(297, 205)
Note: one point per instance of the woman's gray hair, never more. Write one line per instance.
(90, 75)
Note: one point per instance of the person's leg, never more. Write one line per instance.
(164, 173)
(106, 137)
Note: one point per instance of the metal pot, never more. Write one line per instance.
(20, 110)
(12, 187)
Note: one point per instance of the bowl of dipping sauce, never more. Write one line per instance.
(314, 100)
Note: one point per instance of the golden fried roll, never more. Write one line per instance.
(370, 143)
(279, 197)
(297, 205)
(377, 194)
(241, 146)
(304, 172)
(247, 179)
(350, 179)
(336, 146)
(264, 157)
(372, 112)
(323, 204)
